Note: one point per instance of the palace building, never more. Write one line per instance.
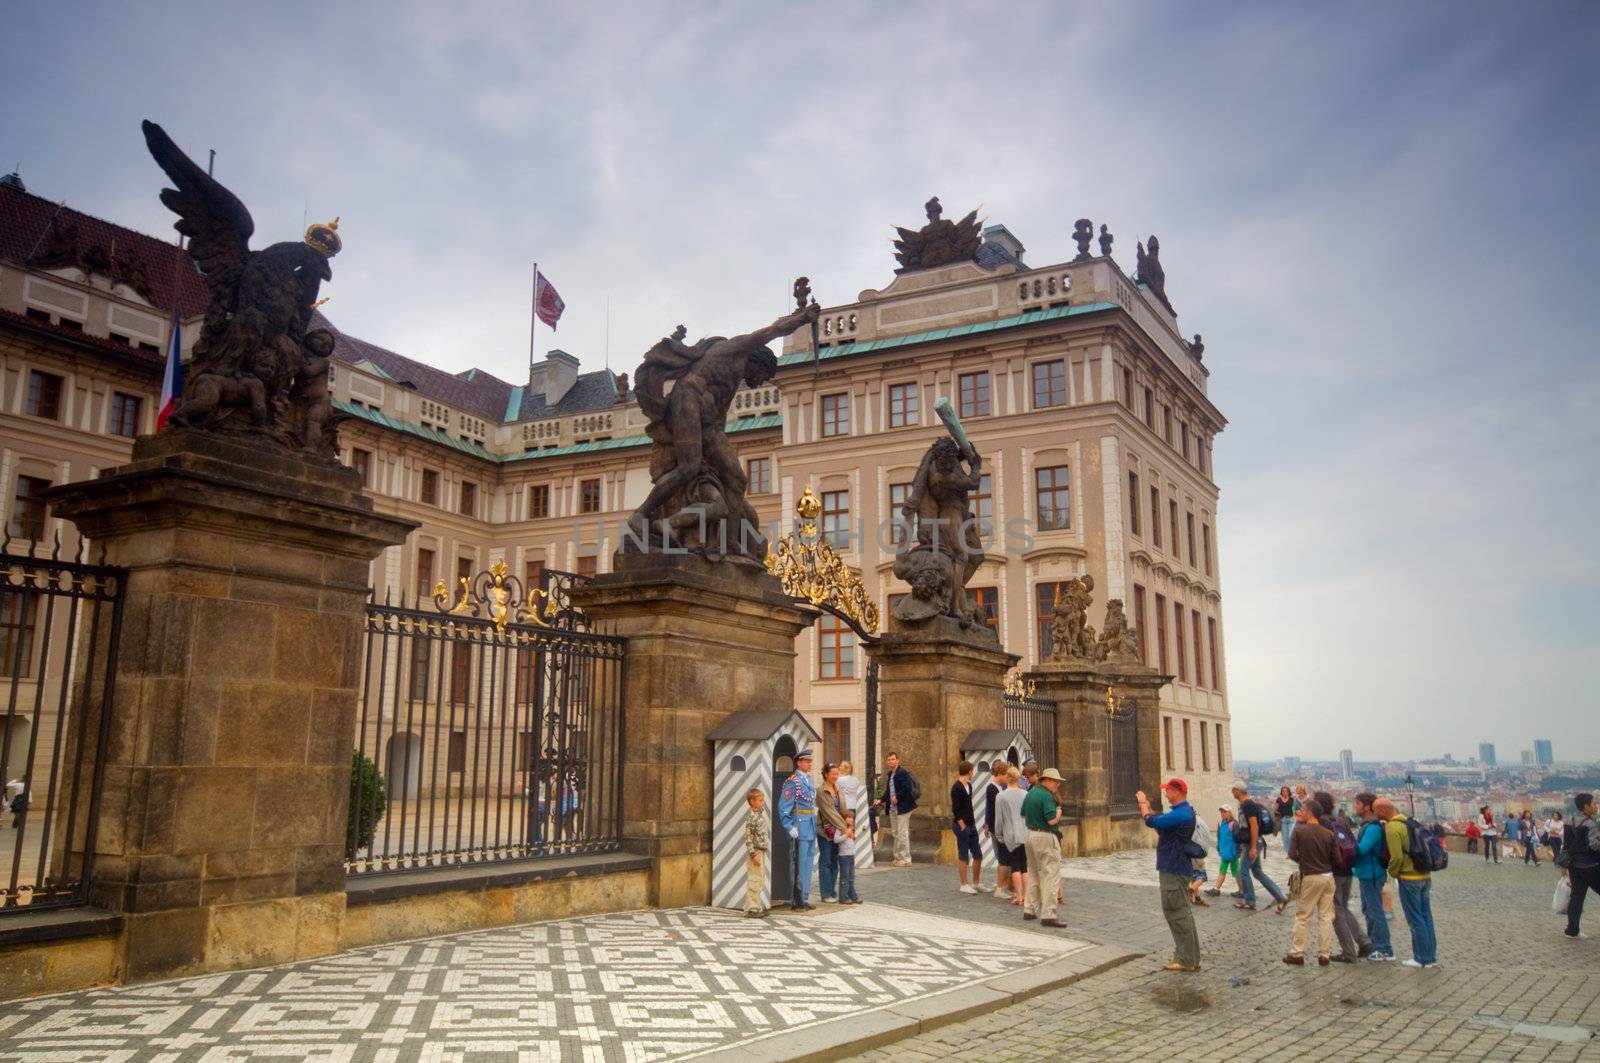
(1089, 409)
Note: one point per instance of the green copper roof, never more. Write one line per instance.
(977, 328)
(746, 424)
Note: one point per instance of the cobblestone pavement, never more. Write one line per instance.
(1503, 962)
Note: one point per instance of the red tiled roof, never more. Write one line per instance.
(148, 358)
(479, 393)
(27, 221)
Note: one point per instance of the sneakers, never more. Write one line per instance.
(1213, 893)
(1580, 936)
(1380, 957)
(1413, 963)
(830, 900)
(981, 888)
(1004, 894)
(968, 890)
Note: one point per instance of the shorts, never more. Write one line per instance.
(1229, 867)
(1019, 859)
(967, 847)
(1002, 854)
(1199, 872)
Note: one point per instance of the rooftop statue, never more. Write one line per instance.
(697, 496)
(1071, 637)
(1105, 241)
(940, 242)
(1150, 272)
(945, 546)
(1082, 235)
(1120, 640)
(255, 370)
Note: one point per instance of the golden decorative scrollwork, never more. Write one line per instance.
(809, 568)
(1117, 707)
(494, 599)
(1017, 687)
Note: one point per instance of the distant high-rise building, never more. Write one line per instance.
(1486, 754)
(1543, 755)
(1347, 764)
(1527, 758)
(1291, 763)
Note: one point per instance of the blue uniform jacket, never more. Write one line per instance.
(797, 805)
(1176, 827)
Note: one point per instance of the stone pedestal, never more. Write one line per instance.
(937, 686)
(705, 640)
(220, 831)
(1104, 821)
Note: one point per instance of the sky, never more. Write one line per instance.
(1381, 217)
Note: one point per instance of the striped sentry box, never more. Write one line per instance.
(983, 748)
(743, 748)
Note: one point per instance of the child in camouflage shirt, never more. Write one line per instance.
(757, 841)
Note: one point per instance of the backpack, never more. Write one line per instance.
(1344, 851)
(1569, 839)
(1425, 850)
(1195, 846)
(1264, 817)
(1382, 853)
(916, 788)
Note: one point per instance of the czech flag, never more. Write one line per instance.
(172, 379)
(547, 303)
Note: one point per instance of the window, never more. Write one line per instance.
(1205, 750)
(759, 473)
(899, 528)
(124, 414)
(35, 314)
(525, 749)
(1222, 764)
(18, 611)
(836, 519)
(1199, 658)
(44, 395)
(835, 739)
(424, 574)
(1138, 621)
(1149, 408)
(1133, 502)
(1177, 632)
(538, 501)
(1053, 497)
(430, 487)
(463, 568)
(589, 496)
(1188, 526)
(1205, 540)
(903, 411)
(421, 655)
(1155, 514)
(1161, 633)
(460, 672)
(361, 462)
(70, 325)
(835, 415)
(1166, 739)
(587, 565)
(469, 498)
(28, 509)
(1166, 423)
(974, 395)
(1045, 596)
(532, 578)
(456, 758)
(1172, 522)
(1216, 676)
(1127, 388)
(986, 601)
(983, 505)
(836, 649)
(1188, 747)
(1049, 384)
(1183, 434)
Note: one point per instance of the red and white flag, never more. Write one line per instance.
(172, 378)
(547, 303)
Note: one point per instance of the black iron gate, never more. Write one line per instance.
(1125, 780)
(59, 625)
(490, 728)
(1035, 717)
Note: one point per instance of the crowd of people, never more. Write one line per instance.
(1523, 834)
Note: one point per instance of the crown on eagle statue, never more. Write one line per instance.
(323, 238)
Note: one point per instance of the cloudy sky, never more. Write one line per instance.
(1382, 217)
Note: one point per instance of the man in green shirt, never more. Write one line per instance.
(1416, 886)
(1041, 813)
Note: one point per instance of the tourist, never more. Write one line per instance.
(830, 815)
(1312, 848)
(1553, 830)
(849, 787)
(1416, 886)
(1011, 834)
(757, 841)
(900, 793)
(964, 825)
(1353, 943)
(1247, 834)
(1175, 834)
(1530, 840)
(1041, 814)
(1371, 870)
(847, 859)
(1491, 834)
(1002, 857)
(1030, 773)
(1583, 872)
(1227, 851)
(1473, 834)
(1513, 835)
(1283, 810)
(797, 811)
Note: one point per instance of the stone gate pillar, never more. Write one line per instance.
(937, 685)
(704, 641)
(220, 833)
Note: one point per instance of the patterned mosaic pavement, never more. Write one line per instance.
(634, 986)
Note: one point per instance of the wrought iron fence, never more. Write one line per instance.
(1036, 718)
(485, 737)
(59, 624)
(1125, 759)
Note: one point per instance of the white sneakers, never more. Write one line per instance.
(1414, 963)
(1004, 894)
(981, 888)
(968, 889)
(830, 900)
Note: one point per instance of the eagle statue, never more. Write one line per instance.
(940, 242)
(256, 369)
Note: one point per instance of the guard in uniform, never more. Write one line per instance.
(797, 812)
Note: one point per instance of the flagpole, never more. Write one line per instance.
(533, 321)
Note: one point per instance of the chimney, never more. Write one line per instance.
(1002, 240)
(555, 377)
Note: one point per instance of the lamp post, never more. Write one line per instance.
(1411, 796)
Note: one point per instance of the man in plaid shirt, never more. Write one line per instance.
(757, 841)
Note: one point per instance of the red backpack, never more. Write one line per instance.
(1344, 845)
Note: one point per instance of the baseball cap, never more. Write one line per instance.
(1178, 785)
(1224, 808)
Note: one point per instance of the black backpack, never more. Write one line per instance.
(1344, 845)
(916, 788)
(1426, 851)
(1264, 817)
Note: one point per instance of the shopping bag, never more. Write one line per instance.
(1563, 896)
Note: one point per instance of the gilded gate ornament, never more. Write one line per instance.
(809, 568)
(497, 597)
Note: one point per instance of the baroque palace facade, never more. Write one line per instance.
(1087, 405)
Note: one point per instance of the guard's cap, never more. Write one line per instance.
(804, 754)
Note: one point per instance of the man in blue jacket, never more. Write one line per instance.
(899, 799)
(1371, 871)
(1175, 828)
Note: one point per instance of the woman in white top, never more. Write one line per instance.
(1491, 834)
(1554, 828)
(850, 793)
